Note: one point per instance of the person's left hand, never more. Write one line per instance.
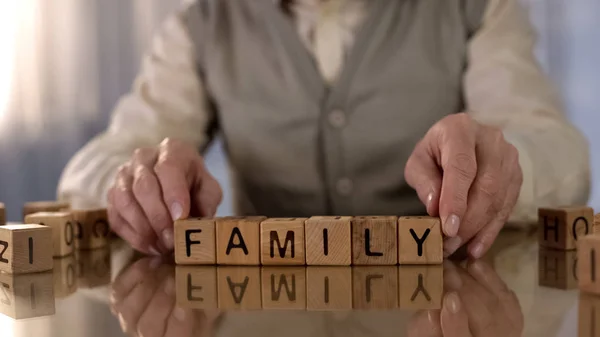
(469, 175)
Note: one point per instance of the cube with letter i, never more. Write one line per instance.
(195, 241)
(25, 248)
(560, 228)
(328, 240)
(63, 234)
(588, 264)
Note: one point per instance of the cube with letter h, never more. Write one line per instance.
(560, 228)
(25, 248)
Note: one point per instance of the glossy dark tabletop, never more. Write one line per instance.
(114, 292)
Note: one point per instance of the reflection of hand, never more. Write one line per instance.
(143, 297)
(476, 303)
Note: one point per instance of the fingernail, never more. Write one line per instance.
(154, 251)
(451, 245)
(453, 281)
(429, 200)
(167, 238)
(452, 225)
(176, 211)
(179, 314)
(452, 303)
(477, 250)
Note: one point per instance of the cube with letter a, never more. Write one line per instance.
(195, 241)
(238, 240)
(282, 241)
(560, 228)
(25, 248)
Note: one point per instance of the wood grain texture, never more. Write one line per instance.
(25, 248)
(65, 276)
(63, 234)
(93, 268)
(27, 295)
(374, 240)
(196, 287)
(91, 228)
(238, 240)
(328, 288)
(195, 241)
(420, 240)
(557, 268)
(283, 288)
(375, 287)
(2, 214)
(588, 315)
(328, 240)
(588, 264)
(44, 206)
(282, 241)
(421, 287)
(239, 288)
(560, 228)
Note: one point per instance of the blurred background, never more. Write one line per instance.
(65, 63)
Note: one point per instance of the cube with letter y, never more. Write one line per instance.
(560, 228)
(25, 248)
(282, 241)
(195, 241)
(420, 240)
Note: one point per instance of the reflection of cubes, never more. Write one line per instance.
(557, 268)
(196, 287)
(329, 288)
(421, 287)
(27, 295)
(63, 234)
(589, 315)
(25, 248)
(239, 288)
(91, 228)
(560, 228)
(65, 276)
(375, 287)
(93, 268)
(284, 288)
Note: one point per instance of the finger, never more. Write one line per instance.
(423, 174)
(154, 321)
(126, 232)
(181, 323)
(129, 209)
(453, 317)
(482, 306)
(487, 193)
(483, 274)
(455, 147)
(207, 195)
(148, 192)
(131, 277)
(425, 323)
(484, 240)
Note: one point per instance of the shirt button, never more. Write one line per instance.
(337, 119)
(344, 186)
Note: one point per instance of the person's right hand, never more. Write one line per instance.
(157, 186)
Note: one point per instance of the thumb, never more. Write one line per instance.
(423, 174)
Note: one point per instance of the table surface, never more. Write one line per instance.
(115, 292)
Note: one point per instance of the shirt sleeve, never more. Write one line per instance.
(506, 87)
(167, 100)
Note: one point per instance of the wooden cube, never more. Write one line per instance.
(44, 206)
(374, 240)
(239, 288)
(238, 240)
(65, 276)
(420, 240)
(375, 287)
(588, 264)
(63, 235)
(2, 214)
(196, 287)
(195, 241)
(91, 228)
(25, 248)
(328, 288)
(557, 268)
(328, 240)
(93, 268)
(27, 295)
(421, 287)
(560, 228)
(282, 241)
(284, 288)
(589, 315)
